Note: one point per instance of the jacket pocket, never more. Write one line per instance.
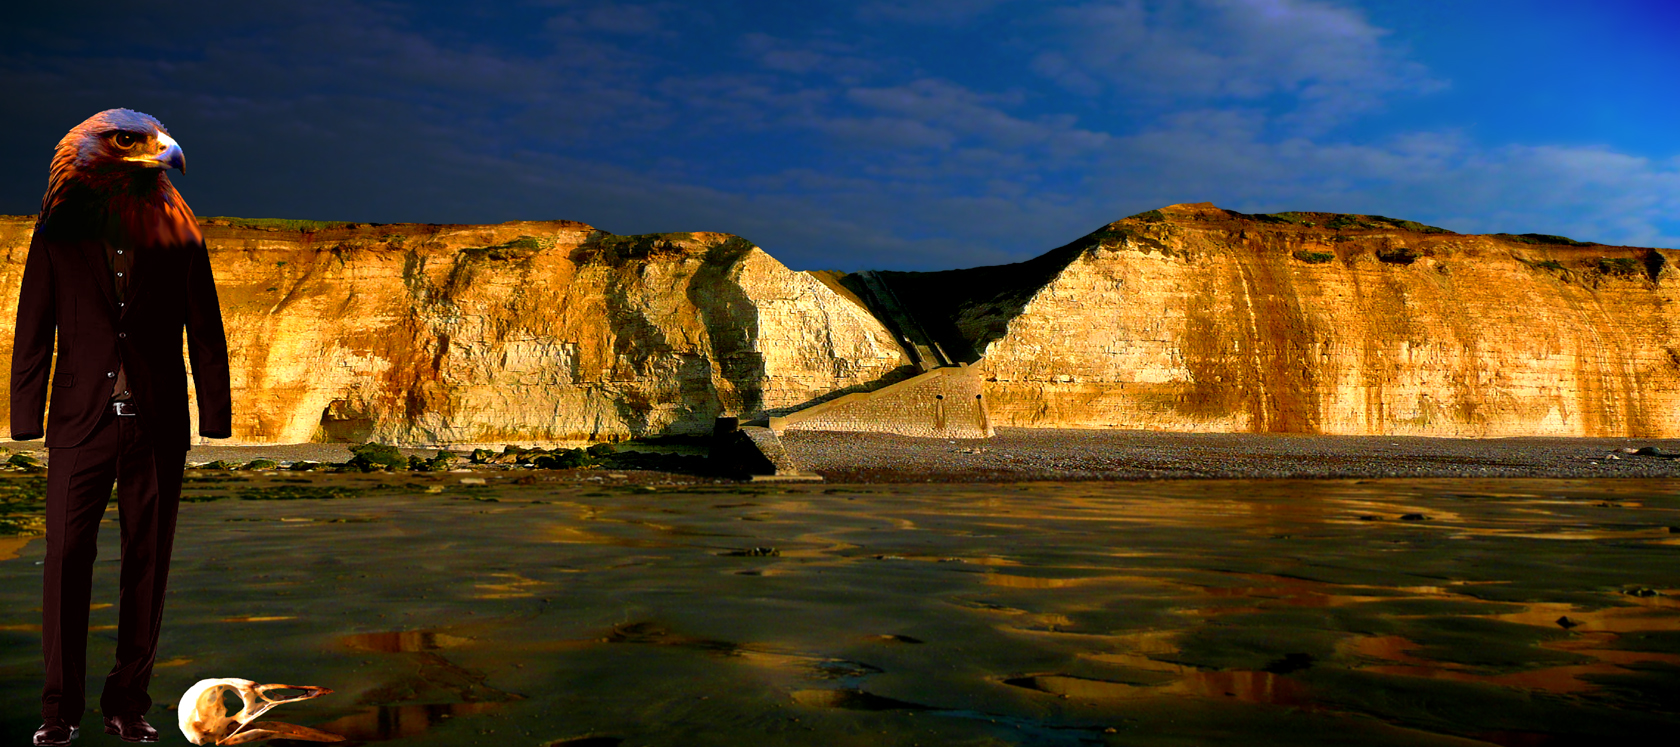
(64, 379)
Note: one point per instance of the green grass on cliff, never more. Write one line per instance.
(1543, 238)
(1399, 255)
(613, 248)
(278, 224)
(519, 248)
(1619, 266)
(1649, 266)
(1299, 219)
(1345, 221)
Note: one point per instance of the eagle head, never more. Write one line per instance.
(118, 140)
(112, 166)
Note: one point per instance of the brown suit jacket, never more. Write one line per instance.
(67, 288)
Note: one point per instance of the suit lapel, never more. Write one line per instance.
(93, 252)
(138, 271)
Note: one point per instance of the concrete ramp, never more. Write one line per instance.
(941, 403)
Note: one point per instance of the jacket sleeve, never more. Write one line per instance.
(32, 342)
(207, 348)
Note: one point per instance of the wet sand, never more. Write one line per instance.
(1403, 612)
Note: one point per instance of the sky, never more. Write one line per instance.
(885, 134)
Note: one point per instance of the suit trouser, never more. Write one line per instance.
(79, 482)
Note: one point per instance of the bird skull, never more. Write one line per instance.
(205, 718)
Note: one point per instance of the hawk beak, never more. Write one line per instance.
(170, 158)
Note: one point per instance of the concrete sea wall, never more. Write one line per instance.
(941, 403)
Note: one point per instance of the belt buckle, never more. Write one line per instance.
(124, 408)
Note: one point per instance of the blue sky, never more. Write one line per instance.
(878, 133)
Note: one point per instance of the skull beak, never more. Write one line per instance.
(205, 719)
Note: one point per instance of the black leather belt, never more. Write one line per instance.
(124, 408)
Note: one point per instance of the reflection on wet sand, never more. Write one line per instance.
(403, 641)
(10, 547)
(578, 536)
(853, 700)
(1333, 612)
(437, 691)
(586, 742)
(383, 723)
(1263, 688)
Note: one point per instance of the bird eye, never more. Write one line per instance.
(125, 140)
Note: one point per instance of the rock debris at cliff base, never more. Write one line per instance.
(1025, 454)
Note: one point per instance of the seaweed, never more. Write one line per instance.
(25, 463)
(295, 493)
(371, 456)
(23, 505)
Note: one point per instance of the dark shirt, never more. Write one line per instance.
(121, 262)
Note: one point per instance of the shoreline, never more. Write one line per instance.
(1024, 455)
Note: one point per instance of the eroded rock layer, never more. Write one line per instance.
(1194, 318)
(517, 332)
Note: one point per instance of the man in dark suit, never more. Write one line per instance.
(117, 269)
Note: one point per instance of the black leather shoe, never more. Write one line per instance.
(130, 728)
(55, 732)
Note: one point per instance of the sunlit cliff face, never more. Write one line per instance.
(1191, 318)
(1188, 318)
(516, 332)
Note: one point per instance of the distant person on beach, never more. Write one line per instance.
(117, 269)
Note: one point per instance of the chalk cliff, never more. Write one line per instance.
(548, 331)
(1187, 318)
(1195, 318)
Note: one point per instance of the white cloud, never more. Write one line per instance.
(1590, 193)
(963, 112)
(1326, 58)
